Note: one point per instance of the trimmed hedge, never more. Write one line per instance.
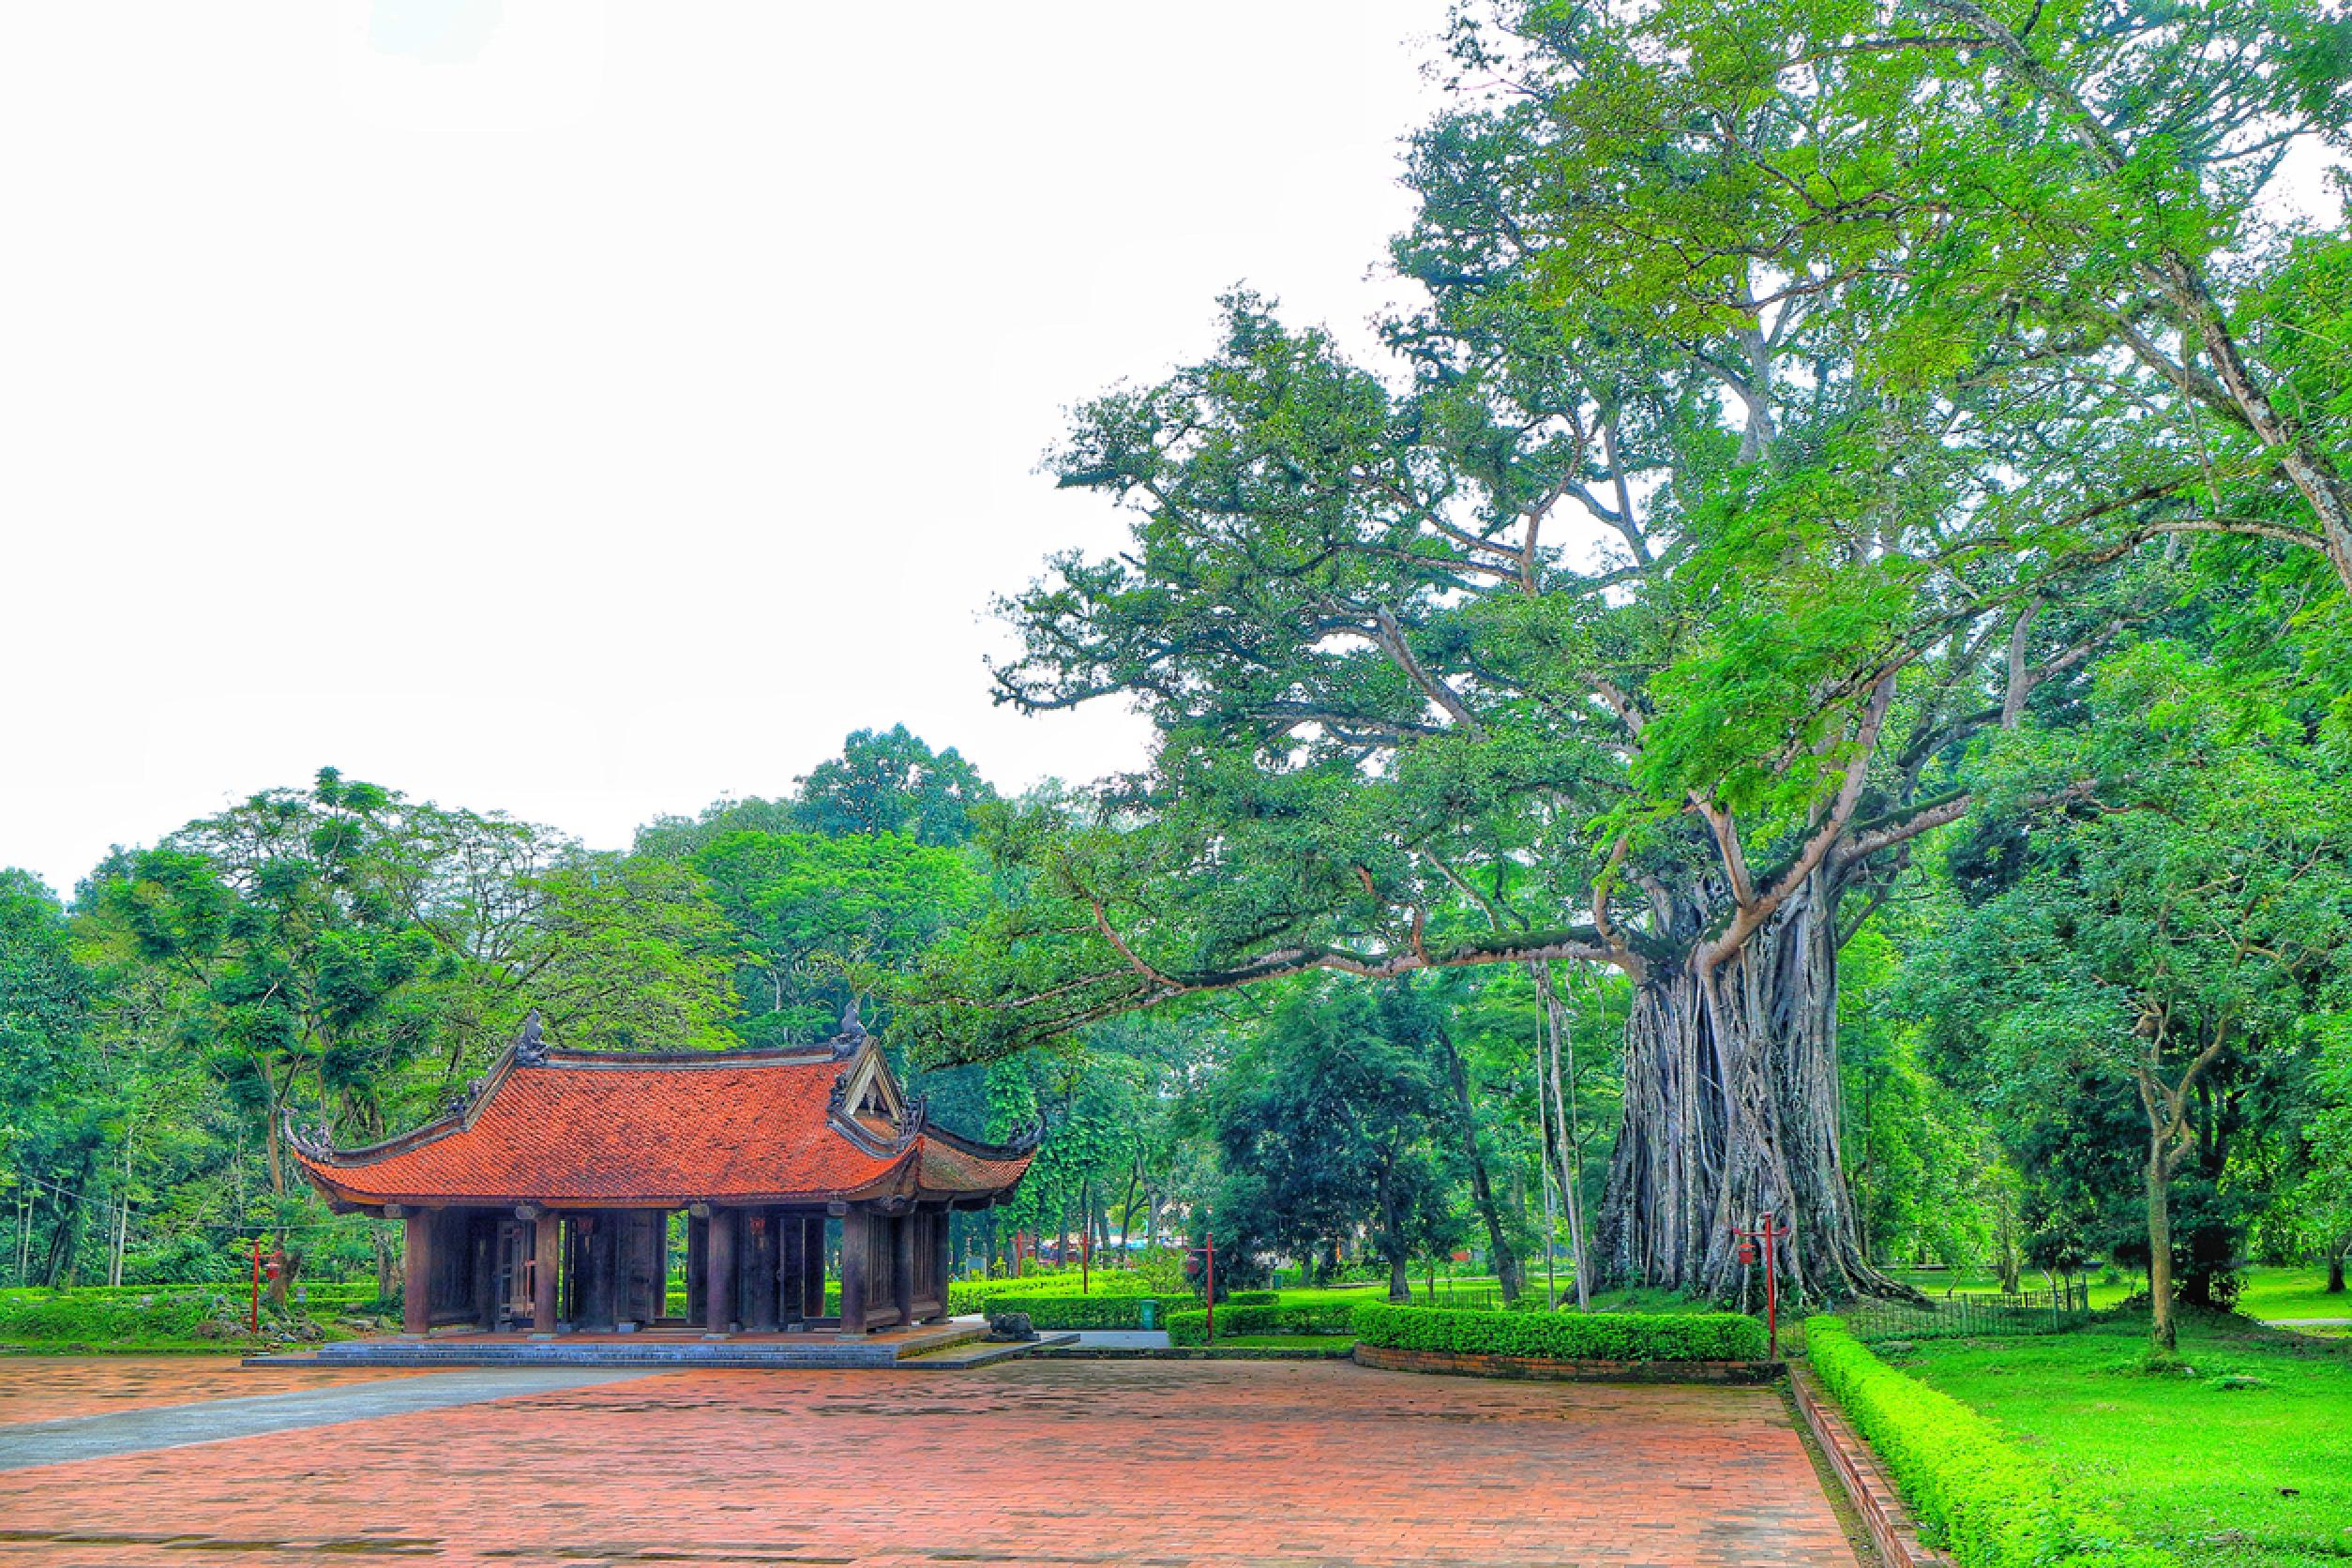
(1239, 1317)
(974, 1295)
(1976, 1493)
(1082, 1312)
(1564, 1337)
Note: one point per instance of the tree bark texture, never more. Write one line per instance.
(2161, 1327)
(1731, 1109)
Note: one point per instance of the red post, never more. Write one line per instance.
(1769, 1232)
(253, 1314)
(1209, 1237)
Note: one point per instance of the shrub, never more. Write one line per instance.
(1239, 1317)
(1084, 1312)
(974, 1295)
(116, 1318)
(1564, 1337)
(1977, 1493)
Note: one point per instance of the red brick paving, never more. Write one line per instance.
(53, 1388)
(1065, 1463)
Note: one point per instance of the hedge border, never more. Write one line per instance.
(1975, 1493)
(1605, 1337)
(1238, 1317)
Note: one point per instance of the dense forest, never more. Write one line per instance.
(1811, 674)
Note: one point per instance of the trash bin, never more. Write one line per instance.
(1151, 1313)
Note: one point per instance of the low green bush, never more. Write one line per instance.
(117, 1318)
(1564, 1337)
(1085, 1312)
(972, 1295)
(1238, 1317)
(1976, 1493)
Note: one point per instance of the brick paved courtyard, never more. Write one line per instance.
(1061, 1463)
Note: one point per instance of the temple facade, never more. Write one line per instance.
(542, 1199)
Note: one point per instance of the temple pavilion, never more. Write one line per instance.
(542, 1198)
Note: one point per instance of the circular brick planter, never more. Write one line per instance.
(1450, 1363)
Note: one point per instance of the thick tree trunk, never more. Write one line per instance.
(1731, 1111)
(2336, 1265)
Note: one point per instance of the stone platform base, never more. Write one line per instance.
(932, 1346)
(1454, 1364)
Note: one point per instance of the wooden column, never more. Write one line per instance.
(759, 1271)
(698, 1266)
(546, 1269)
(718, 1287)
(902, 1267)
(791, 1260)
(812, 1280)
(641, 1267)
(483, 1231)
(599, 1293)
(942, 1261)
(417, 1270)
(855, 1225)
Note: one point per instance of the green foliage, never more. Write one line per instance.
(809, 909)
(893, 783)
(1070, 1310)
(2155, 908)
(2234, 1462)
(1236, 1318)
(1978, 1494)
(130, 1318)
(1330, 1120)
(1564, 1337)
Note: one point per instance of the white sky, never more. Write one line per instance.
(587, 408)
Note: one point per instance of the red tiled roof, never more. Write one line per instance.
(620, 1130)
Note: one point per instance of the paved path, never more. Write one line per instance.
(50, 1388)
(24, 1444)
(2311, 1322)
(1153, 1465)
(1125, 1339)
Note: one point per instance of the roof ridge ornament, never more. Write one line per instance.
(853, 1033)
(531, 1044)
(314, 1137)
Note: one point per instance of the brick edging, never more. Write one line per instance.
(1873, 1496)
(1448, 1363)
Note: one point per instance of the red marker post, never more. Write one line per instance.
(1207, 1251)
(1770, 1232)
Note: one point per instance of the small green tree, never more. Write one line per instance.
(1330, 1122)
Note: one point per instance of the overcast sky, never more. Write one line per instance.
(588, 408)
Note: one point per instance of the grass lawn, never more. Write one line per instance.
(2273, 1293)
(2227, 1477)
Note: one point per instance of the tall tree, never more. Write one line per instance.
(810, 909)
(893, 783)
(2174, 912)
(51, 1131)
